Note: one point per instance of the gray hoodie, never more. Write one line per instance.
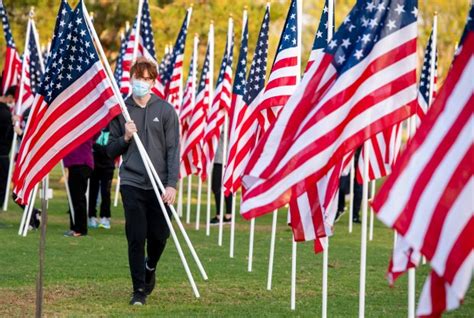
(158, 128)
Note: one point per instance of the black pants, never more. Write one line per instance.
(77, 182)
(344, 189)
(144, 223)
(100, 179)
(217, 188)
(4, 164)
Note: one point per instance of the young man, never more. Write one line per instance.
(156, 123)
(6, 137)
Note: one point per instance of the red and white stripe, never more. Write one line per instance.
(189, 94)
(403, 258)
(217, 113)
(72, 118)
(11, 69)
(327, 118)
(428, 198)
(281, 84)
(384, 149)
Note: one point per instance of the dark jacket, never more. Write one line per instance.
(101, 158)
(158, 128)
(6, 129)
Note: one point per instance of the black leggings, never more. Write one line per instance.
(217, 188)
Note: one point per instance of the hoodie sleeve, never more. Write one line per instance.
(117, 144)
(171, 126)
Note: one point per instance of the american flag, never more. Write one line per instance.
(166, 60)
(192, 151)
(244, 136)
(32, 69)
(73, 103)
(384, 149)
(172, 77)
(12, 64)
(189, 94)
(118, 64)
(285, 72)
(62, 23)
(237, 105)
(323, 35)
(364, 82)
(145, 48)
(428, 198)
(220, 105)
(429, 75)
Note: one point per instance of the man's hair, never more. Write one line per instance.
(11, 91)
(142, 64)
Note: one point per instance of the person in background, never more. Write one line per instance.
(101, 179)
(216, 185)
(79, 163)
(6, 137)
(156, 123)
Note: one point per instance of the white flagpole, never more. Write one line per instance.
(272, 250)
(211, 98)
(325, 278)
(153, 175)
(232, 222)
(293, 275)
(29, 210)
(433, 58)
(326, 240)
(137, 31)
(252, 231)
(351, 194)
(117, 186)
(68, 194)
(411, 293)
(371, 228)
(17, 112)
(199, 192)
(179, 205)
(193, 102)
(230, 32)
(363, 249)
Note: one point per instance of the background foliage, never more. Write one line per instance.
(167, 16)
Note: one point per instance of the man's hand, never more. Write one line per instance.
(130, 128)
(170, 195)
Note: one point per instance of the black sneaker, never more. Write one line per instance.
(214, 221)
(356, 220)
(227, 220)
(338, 215)
(150, 281)
(138, 298)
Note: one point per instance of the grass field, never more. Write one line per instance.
(89, 276)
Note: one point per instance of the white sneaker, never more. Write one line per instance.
(93, 222)
(105, 223)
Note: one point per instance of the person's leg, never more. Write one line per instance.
(106, 176)
(77, 181)
(216, 186)
(93, 193)
(135, 207)
(228, 206)
(4, 164)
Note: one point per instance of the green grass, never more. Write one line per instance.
(89, 276)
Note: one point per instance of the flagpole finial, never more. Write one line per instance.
(32, 12)
(191, 5)
(212, 21)
(246, 7)
(435, 13)
(231, 15)
(127, 25)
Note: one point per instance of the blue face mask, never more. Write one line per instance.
(140, 88)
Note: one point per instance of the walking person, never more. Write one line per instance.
(6, 137)
(101, 180)
(156, 123)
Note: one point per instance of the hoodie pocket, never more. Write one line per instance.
(133, 167)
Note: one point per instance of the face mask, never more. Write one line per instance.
(140, 88)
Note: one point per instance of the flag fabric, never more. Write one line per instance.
(384, 149)
(285, 71)
(73, 103)
(119, 63)
(321, 38)
(166, 60)
(62, 23)
(237, 107)
(33, 72)
(172, 77)
(403, 258)
(428, 198)
(220, 106)
(191, 159)
(187, 106)
(145, 48)
(430, 65)
(245, 134)
(364, 83)
(12, 64)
